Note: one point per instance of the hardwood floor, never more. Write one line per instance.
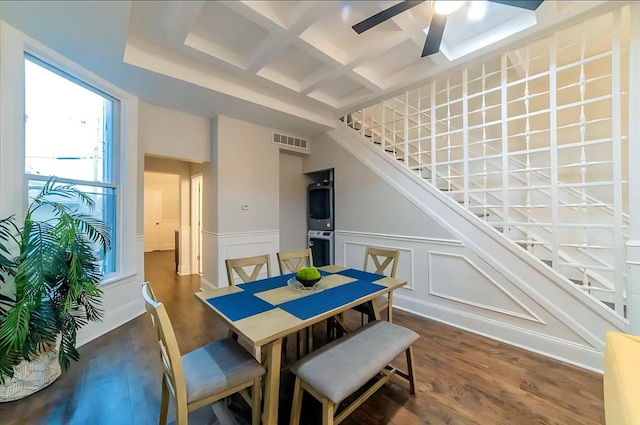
(462, 378)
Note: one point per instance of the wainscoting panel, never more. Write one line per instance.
(448, 282)
(237, 245)
(453, 277)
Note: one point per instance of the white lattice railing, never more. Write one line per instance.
(534, 143)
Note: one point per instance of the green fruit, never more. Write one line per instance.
(308, 273)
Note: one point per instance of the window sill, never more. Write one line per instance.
(116, 279)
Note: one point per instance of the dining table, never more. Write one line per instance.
(266, 311)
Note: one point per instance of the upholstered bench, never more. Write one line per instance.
(337, 370)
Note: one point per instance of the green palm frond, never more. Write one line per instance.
(14, 328)
(56, 272)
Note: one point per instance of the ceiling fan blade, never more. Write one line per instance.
(434, 37)
(524, 4)
(385, 15)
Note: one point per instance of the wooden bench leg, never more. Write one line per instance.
(410, 370)
(328, 410)
(296, 407)
(256, 401)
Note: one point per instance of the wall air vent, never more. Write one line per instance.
(291, 143)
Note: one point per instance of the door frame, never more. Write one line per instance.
(196, 223)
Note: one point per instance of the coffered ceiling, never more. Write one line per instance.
(298, 60)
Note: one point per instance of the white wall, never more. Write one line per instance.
(174, 134)
(244, 171)
(363, 201)
(293, 202)
(248, 173)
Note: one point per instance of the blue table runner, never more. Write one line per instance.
(240, 305)
(329, 299)
(360, 275)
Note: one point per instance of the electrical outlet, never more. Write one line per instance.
(245, 207)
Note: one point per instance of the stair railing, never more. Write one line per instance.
(533, 141)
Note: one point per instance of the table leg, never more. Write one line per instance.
(272, 383)
(376, 308)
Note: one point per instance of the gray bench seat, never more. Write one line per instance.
(340, 368)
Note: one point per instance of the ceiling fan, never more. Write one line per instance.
(442, 9)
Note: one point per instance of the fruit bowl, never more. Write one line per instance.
(308, 276)
(308, 283)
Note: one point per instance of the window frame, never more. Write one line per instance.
(14, 48)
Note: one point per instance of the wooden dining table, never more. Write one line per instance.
(265, 311)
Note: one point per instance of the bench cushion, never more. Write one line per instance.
(338, 369)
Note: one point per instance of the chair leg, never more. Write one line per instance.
(328, 410)
(410, 370)
(256, 399)
(296, 407)
(182, 413)
(164, 402)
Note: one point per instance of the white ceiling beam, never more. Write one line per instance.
(280, 39)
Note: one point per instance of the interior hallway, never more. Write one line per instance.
(462, 378)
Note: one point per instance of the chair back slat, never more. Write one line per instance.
(238, 265)
(302, 258)
(381, 259)
(168, 345)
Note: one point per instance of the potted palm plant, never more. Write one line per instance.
(50, 268)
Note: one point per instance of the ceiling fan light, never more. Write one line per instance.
(477, 10)
(446, 7)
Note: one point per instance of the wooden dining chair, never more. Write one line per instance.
(205, 375)
(238, 266)
(382, 259)
(292, 262)
(301, 257)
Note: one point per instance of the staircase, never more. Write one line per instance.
(532, 144)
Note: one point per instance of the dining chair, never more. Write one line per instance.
(205, 375)
(238, 266)
(382, 259)
(292, 262)
(302, 258)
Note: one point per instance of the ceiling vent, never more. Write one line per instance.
(291, 143)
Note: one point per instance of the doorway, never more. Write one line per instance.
(161, 211)
(152, 218)
(196, 226)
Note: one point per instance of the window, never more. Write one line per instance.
(71, 132)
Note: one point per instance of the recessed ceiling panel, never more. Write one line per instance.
(393, 60)
(292, 67)
(283, 13)
(333, 35)
(223, 27)
(334, 91)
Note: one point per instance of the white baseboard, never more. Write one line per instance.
(548, 346)
(184, 270)
(111, 320)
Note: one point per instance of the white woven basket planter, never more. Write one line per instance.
(30, 377)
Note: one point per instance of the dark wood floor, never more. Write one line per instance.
(463, 378)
